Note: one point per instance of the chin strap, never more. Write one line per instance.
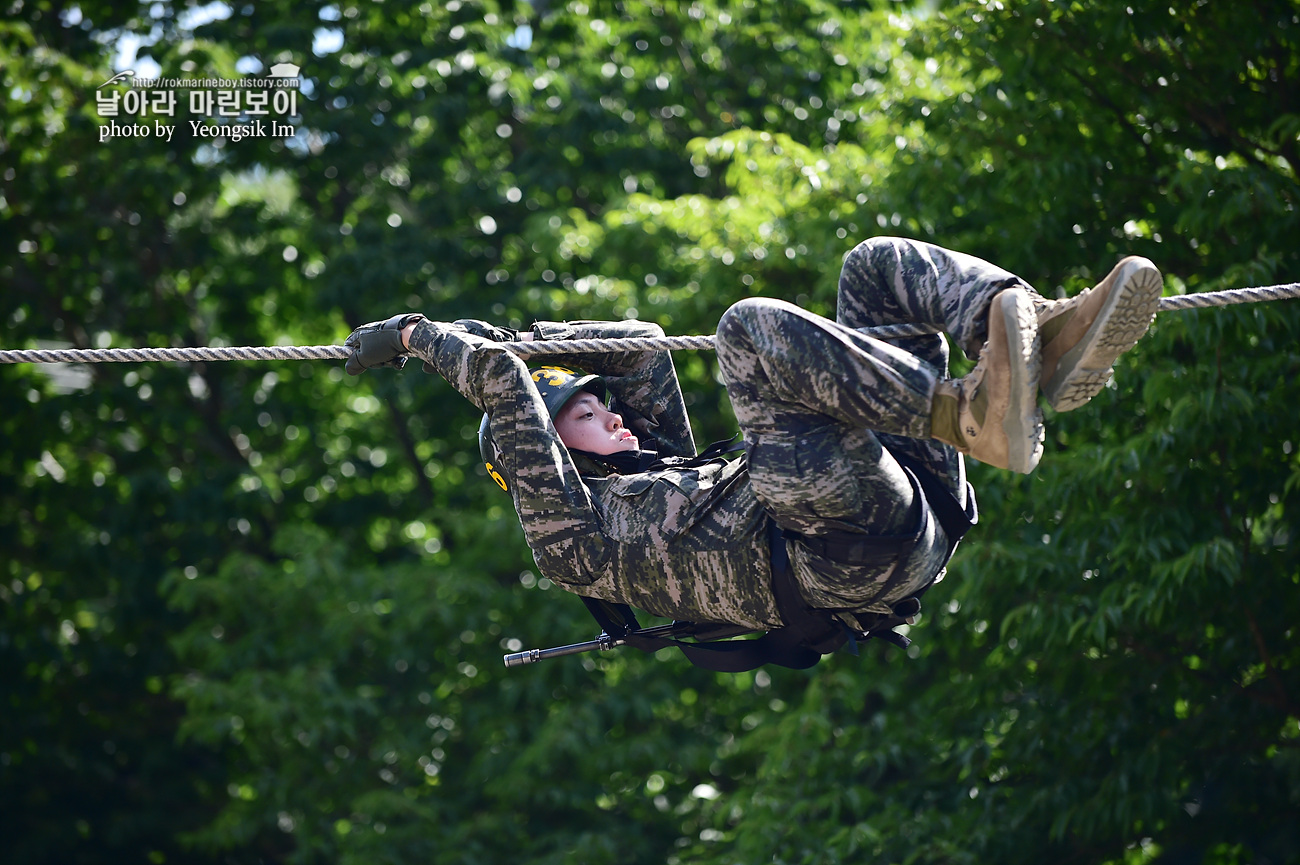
(647, 459)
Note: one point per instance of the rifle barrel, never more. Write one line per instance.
(602, 643)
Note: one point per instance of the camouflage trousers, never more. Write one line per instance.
(825, 409)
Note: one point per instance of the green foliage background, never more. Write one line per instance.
(254, 612)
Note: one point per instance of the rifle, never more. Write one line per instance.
(655, 637)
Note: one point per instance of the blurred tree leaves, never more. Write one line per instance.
(253, 612)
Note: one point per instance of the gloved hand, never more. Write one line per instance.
(379, 344)
(488, 331)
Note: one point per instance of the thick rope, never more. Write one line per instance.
(565, 346)
(141, 355)
(1230, 296)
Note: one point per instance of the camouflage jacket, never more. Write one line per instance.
(687, 544)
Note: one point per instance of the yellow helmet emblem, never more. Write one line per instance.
(554, 375)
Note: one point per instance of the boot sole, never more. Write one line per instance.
(1085, 369)
(1023, 424)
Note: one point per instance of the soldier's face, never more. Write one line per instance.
(585, 424)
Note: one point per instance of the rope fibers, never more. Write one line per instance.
(1201, 300)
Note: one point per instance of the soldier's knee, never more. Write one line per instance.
(750, 323)
(742, 314)
(734, 326)
(745, 317)
(858, 258)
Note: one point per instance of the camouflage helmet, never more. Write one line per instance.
(557, 386)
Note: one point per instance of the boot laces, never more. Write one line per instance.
(1046, 309)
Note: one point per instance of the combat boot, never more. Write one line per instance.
(1083, 336)
(992, 414)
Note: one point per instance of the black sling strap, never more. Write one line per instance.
(955, 520)
(721, 655)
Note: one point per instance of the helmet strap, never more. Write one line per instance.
(622, 462)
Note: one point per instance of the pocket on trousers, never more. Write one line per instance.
(810, 474)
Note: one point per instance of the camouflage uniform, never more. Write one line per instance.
(824, 410)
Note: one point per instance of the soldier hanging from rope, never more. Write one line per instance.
(852, 483)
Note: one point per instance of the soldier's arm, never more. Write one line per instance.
(553, 504)
(643, 381)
